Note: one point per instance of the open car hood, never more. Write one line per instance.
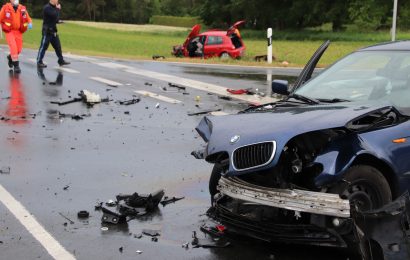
(194, 32)
(279, 125)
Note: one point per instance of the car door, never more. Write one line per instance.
(307, 71)
(213, 46)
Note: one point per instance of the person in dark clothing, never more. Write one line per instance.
(51, 16)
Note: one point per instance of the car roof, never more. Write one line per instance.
(214, 33)
(389, 46)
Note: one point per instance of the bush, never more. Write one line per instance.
(175, 21)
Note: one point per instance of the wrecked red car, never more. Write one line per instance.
(213, 43)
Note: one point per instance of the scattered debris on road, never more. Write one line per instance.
(176, 86)
(83, 214)
(66, 218)
(129, 102)
(5, 170)
(172, 200)
(209, 242)
(151, 232)
(204, 112)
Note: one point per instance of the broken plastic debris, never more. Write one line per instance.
(167, 200)
(237, 91)
(138, 252)
(90, 97)
(83, 214)
(129, 102)
(110, 203)
(204, 112)
(198, 154)
(209, 242)
(104, 229)
(176, 86)
(151, 232)
(157, 105)
(5, 170)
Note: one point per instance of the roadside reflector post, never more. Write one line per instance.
(393, 29)
(270, 45)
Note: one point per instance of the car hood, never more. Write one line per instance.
(279, 125)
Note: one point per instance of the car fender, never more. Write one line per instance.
(340, 155)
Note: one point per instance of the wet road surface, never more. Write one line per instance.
(59, 166)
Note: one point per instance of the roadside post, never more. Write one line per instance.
(393, 29)
(270, 45)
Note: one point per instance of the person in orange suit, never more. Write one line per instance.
(15, 21)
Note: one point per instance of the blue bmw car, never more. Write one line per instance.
(295, 170)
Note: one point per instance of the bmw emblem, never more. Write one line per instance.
(235, 139)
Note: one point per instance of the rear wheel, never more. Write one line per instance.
(224, 55)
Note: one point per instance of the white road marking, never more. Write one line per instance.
(53, 247)
(112, 65)
(159, 97)
(207, 87)
(78, 57)
(67, 70)
(219, 113)
(106, 81)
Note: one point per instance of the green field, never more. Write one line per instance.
(113, 41)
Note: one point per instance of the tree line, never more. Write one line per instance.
(259, 14)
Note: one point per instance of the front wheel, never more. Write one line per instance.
(365, 187)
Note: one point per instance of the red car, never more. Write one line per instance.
(213, 43)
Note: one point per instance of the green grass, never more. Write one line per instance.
(294, 47)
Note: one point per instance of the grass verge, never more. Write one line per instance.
(111, 40)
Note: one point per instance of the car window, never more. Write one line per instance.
(365, 75)
(214, 40)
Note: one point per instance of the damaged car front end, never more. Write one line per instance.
(294, 170)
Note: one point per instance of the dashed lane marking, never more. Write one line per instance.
(207, 87)
(106, 81)
(53, 247)
(159, 97)
(67, 70)
(112, 65)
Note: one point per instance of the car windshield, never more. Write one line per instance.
(365, 75)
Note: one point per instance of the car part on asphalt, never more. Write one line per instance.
(129, 102)
(384, 233)
(176, 86)
(5, 170)
(151, 232)
(209, 242)
(131, 207)
(172, 200)
(204, 112)
(83, 214)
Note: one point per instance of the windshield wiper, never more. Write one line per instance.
(305, 99)
(335, 100)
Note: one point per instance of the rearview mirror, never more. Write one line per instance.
(280, 87)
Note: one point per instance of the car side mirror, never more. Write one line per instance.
(280, 87)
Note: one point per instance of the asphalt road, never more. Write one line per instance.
(59, 166)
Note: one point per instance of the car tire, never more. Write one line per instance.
(214, 179)
(224, 56)
(366, 187)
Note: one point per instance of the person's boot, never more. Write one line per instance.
(9, 61)
(41, 65)
(16, 65)
(63, 63)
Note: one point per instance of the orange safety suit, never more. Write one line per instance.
(14, 24)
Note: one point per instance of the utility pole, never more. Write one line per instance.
(393, 29)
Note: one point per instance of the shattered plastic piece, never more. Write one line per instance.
(149, 201)
(151, 232)
(209, 242)
(129, 102)
(90, 97)
(204, 112)
(176, 86)
(384, 233)
(112, 217)
(111, 203)
(138, 252)
(225, 98)
(157, 105)
(198, 154)
(185, 245)
(147, 84)
(237, 92)
(66, 187)
(167, 200)
(139, 236)
(154, 239)
(66, 102)
(5, 170)
(104, 229)
(83, 214)
(121, 249)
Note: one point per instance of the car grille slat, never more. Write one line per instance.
(252, 156)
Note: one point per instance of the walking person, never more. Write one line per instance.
(15, 21)
(51, 16)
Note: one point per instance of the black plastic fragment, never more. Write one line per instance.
(151, 232)
(167, 200)
(83, 214)
(176, 86)
(204, 112)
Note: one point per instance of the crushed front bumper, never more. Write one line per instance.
(296, 200)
